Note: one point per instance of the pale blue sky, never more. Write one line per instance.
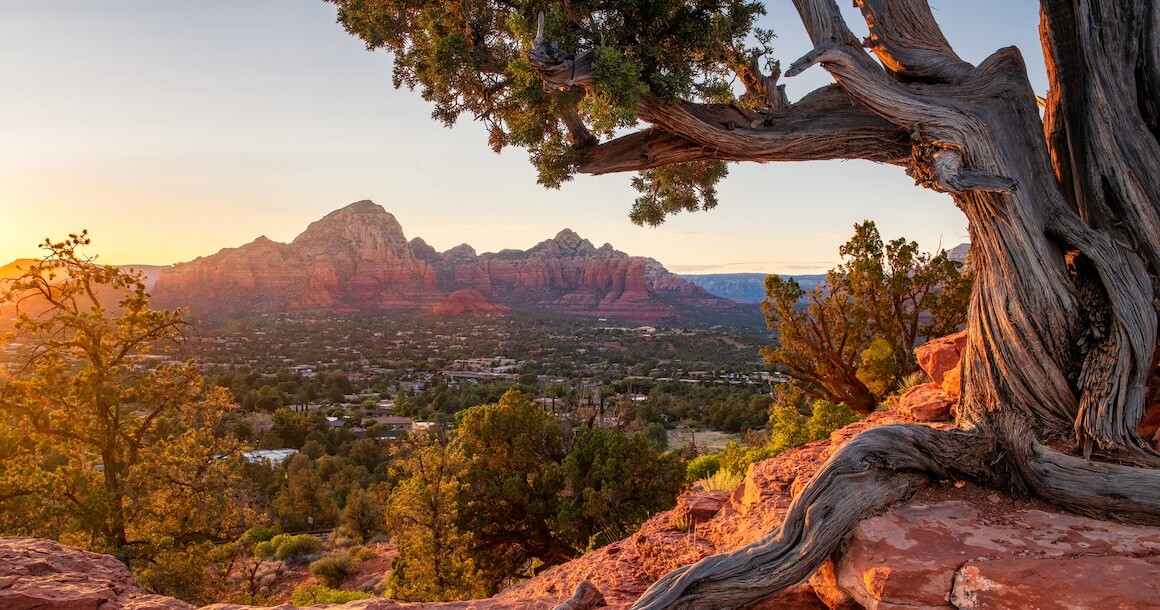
(171, 129)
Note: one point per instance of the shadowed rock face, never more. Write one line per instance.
(357, 259)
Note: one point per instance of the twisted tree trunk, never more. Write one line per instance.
(1064, 220)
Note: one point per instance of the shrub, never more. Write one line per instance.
(656, 433)
(736, 458)
(787, 429)
(332, 570)
(879, 370)
(827, 417)
(365, 554)
(258, 534)
(308, 595)
(288, 547)
(702, 467)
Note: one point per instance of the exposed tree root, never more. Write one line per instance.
(874, 470)
(1097, 489)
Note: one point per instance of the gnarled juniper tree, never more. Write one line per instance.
(1063, 210)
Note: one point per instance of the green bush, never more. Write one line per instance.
(365, 554)
(702, 467)
(308, 595)
(736, 458)
(827, 417)
(288, 547)
(878, 370)
(787, 429)
(332, 570)
(258, 534)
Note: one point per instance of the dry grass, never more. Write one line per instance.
(707, 441)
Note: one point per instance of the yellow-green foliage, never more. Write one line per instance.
(787, 429)
(736, 458)
(702, 467)
(879, 369)
(722, 480)
(827, 417)
(308, 595)
(288, 547)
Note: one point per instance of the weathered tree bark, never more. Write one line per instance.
(1064, 220)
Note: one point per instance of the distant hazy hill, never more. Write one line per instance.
(750, 287)
(744, 287)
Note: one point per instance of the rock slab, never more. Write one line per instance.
(970, 548)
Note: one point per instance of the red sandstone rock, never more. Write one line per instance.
(1150, 424)
(925, 403)
(467, 301)
(702, 506)
(938, 356)
(1079, 582)
(914, 554)
(357, 259)
(45, 575)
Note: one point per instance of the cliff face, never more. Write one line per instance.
(353, 259)
(567, 274)
(357, 259)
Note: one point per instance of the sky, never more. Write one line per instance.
(170, 130)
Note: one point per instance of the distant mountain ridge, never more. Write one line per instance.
(750, 287)
(357, 259)
(744, 287)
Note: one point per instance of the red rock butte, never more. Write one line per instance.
(357, 259)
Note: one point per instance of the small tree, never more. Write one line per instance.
(511, 485)
(362, 517)
(613, 481)
(433, 561)
(883, 299)
(116, 452)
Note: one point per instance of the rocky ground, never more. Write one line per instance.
(953, 545)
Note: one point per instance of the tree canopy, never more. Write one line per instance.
(513, 490)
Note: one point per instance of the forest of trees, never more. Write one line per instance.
(1063, 209)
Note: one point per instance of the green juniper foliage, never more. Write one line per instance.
(471, 58)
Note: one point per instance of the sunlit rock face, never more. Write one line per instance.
(357, 259)
(353, 259)
(40, 574)
(568, 275)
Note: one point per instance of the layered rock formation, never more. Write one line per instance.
(357, 259)
(353, 259)
(568, 275)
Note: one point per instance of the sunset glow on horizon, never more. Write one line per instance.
(172, 130)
